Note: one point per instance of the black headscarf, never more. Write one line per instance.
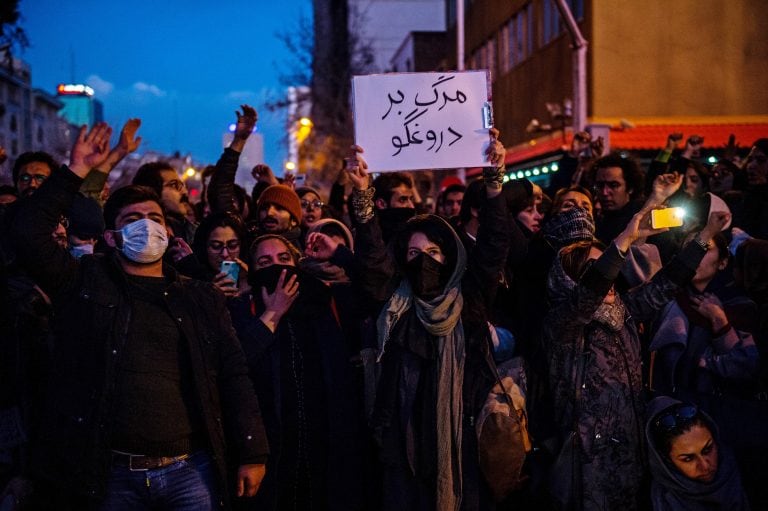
(673, 491)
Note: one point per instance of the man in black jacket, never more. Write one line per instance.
(149, 396)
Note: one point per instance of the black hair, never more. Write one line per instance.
(211, 223)
(385, 183)
(663, 437)
(242, 199)
(149, 175)
(125, 196)
(630, 171)
(30, 157)
(474, 197)
(762, 144)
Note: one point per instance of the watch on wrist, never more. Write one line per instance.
(706, 245)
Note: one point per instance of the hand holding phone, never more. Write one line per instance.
(667, 217)
(232, 270)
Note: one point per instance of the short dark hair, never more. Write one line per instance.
(474, 197)
(125, 196)
(149, 175)
(630, 171)
(385, 183)
(32, 156)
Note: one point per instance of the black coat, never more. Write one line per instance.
(379, 278)
(92, 316)
(329, 407)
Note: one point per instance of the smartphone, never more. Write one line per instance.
(667, 217)
(231, 269)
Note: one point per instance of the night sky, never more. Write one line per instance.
(183, 67)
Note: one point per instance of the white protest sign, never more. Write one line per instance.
(410, 121)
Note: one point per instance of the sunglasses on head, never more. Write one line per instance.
(675, 417)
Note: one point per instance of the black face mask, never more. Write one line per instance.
(392, 220)
(268, 277)
(426, 275)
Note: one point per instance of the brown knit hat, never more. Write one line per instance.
(282, 196)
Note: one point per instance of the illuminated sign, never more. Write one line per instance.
(74, 89)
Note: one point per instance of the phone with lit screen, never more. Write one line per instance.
(667, 217)
(231, 269)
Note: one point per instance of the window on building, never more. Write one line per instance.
(14, 148)
(550, 19)
(503, 50)
(40, 134)
(490, 57)
(521, 36)
(577, 8)
(13, 125)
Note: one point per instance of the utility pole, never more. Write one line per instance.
(579, 57)
(459, 35)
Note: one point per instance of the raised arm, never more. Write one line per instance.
(493, 236)
(221, 189)
(97, 177)
(376, 265)
(50, 265)
(645, 300)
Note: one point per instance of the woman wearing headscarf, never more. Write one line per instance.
(300, 368)
(594, 351)
(433, 345)
(691, 468)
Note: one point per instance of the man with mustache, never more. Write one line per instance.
(279, 212)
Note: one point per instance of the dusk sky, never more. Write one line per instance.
(183, 67)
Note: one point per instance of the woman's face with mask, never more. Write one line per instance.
(419, 243)
(272, 251)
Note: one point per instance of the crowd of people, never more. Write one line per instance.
(288, 348)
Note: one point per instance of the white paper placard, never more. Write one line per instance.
(412, 121)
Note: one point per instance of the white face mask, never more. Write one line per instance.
(144, 241)
(79, 251)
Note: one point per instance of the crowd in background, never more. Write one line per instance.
(296, 348)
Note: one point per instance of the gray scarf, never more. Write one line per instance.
(440, 317)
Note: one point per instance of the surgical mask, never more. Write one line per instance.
(144, 241)
(79, 251)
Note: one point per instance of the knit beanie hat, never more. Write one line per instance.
(86, 219)
(282, 196)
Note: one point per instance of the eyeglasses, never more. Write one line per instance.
(612, 185)
(675, 417)
(64, 221)
(317, 204)
(218, 246)
(27, 178)
(175, 184)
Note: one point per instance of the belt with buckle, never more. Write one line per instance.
(139, 462)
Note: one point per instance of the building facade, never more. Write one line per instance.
(29, 119)
(652, 68)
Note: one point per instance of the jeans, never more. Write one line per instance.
(186, 485)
